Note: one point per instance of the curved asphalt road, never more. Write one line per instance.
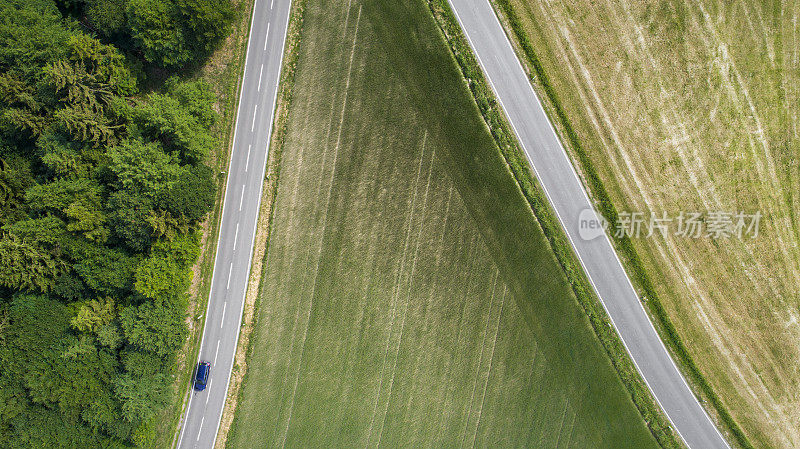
(566, 194)
(239, 215)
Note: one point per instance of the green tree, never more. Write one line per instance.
(141, 396)
(156, 326)
(196, 97)
(32, 34)
(94, 314)
(107, 16)
(160, 277)
(57, 196)
(77, 200)
(165, 225)
(41, 427)
(85, 125)
(36, 332)
(208, 22)
(15, 178)
(128, 214)
(107, 271)
(166, 274)
(192, 196)
(65, 157)
(156, 33)
(93, 73)
(100, 195)
(143, 167)
(47, 231)
(88, 218)
(172, 33)
(27, 266)
(179, 120)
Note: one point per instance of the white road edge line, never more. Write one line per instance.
(224, 201)
(260, 192)
(572, 243)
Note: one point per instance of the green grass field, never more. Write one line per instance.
(409, 297)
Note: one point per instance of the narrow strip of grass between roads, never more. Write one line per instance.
(496, 121)
(223, 72)
(623, 245)
(263, 232)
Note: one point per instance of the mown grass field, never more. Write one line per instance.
(691, 105)
(409, 297)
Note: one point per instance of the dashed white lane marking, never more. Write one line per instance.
(260, 72)
(216, 353)
(253, 126)
(230, 271)
(241, 200)
(200, 430)
(222, 321)
(236, 236)
(208, 395)
(266, 39)
(247, 161)
(271, 3)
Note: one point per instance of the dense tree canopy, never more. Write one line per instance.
(168, 33)
(102, 188)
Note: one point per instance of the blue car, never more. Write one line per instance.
(201, 378)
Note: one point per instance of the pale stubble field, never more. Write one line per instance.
(692, 106)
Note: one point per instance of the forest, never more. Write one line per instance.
(104, 145)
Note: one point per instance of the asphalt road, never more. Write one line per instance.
(569, 199)
(239, 215)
